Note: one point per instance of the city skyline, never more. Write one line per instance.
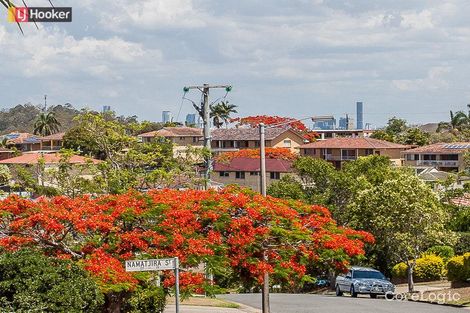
(399, 58)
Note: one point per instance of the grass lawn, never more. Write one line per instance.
(202, 301)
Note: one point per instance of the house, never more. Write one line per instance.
(50, 159)
(180, 136)
(334, 133)
(233, 139)
(442, 156)
(23, 141)
(246, 171)
(338, 150)
(5, 153)
(53, 142)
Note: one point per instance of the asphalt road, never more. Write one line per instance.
(303, 303)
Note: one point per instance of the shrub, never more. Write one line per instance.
(458, 268)
(399, 270)
(428, 267)
(29, 280)
(463, 244)
(149, 299)
(445, 252)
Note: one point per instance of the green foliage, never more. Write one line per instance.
(445, 252)
(463, 243)
(29, 280)
(427, 268)
(220, 113)
(458, 268)
(147, 299)
(287, 188)
(5, 175)
(397, 131)
(46, 124)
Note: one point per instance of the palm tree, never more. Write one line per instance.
(46, 124)
(220, 113)
(457, 121)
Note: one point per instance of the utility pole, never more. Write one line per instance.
(205, 114)
(262, 167)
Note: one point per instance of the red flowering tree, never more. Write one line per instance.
(229, 228)
(295, 124)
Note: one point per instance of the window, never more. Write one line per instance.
(429, 157)
(369, 151)
(224, 174)
(254, 173)
(195, 139)
(287, 143)
(181, 138)
(410, 157)
(256, 144)
(275, 175)
(240, 175)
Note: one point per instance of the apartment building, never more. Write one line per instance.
(442, 156)
(245, 172)
(340, 150)
(233, 139)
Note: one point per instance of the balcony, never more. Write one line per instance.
(330, 157)
(438, 163)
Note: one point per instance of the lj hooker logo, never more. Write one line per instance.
(39, 15)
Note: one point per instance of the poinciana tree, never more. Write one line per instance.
(278, 121)
(232, 228)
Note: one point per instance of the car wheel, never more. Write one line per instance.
(373, 295)
(339, 293)
(353, 292)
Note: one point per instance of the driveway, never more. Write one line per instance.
(305, 303)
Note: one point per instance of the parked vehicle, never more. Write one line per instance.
(364, 280)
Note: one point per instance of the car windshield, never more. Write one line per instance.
(368, 274)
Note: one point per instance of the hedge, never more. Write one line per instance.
(458, 268)
(463, 244)
(429, 267)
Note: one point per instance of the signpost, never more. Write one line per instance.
(158, 265)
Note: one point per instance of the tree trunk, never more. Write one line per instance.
(410, 277)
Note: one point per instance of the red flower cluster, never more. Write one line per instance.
(231, 227)
(254, 121)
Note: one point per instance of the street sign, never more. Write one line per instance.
(158, 265)
(150, 265)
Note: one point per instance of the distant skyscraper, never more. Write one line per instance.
(191, 119)
(360, 115)
(166, 117)
(106, 108)
(343, 123)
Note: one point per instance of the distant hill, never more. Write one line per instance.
(429, 127)
(21, 117)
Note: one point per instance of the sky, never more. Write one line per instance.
(298, 58)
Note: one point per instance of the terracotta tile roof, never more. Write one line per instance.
(464, 200)
(252, 165)
(246, 133)
(20, 138)
(58, 136)
(353, 143)
(49, 158)
(174, 132)
(453, 147)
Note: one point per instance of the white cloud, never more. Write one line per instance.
(434, 80)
